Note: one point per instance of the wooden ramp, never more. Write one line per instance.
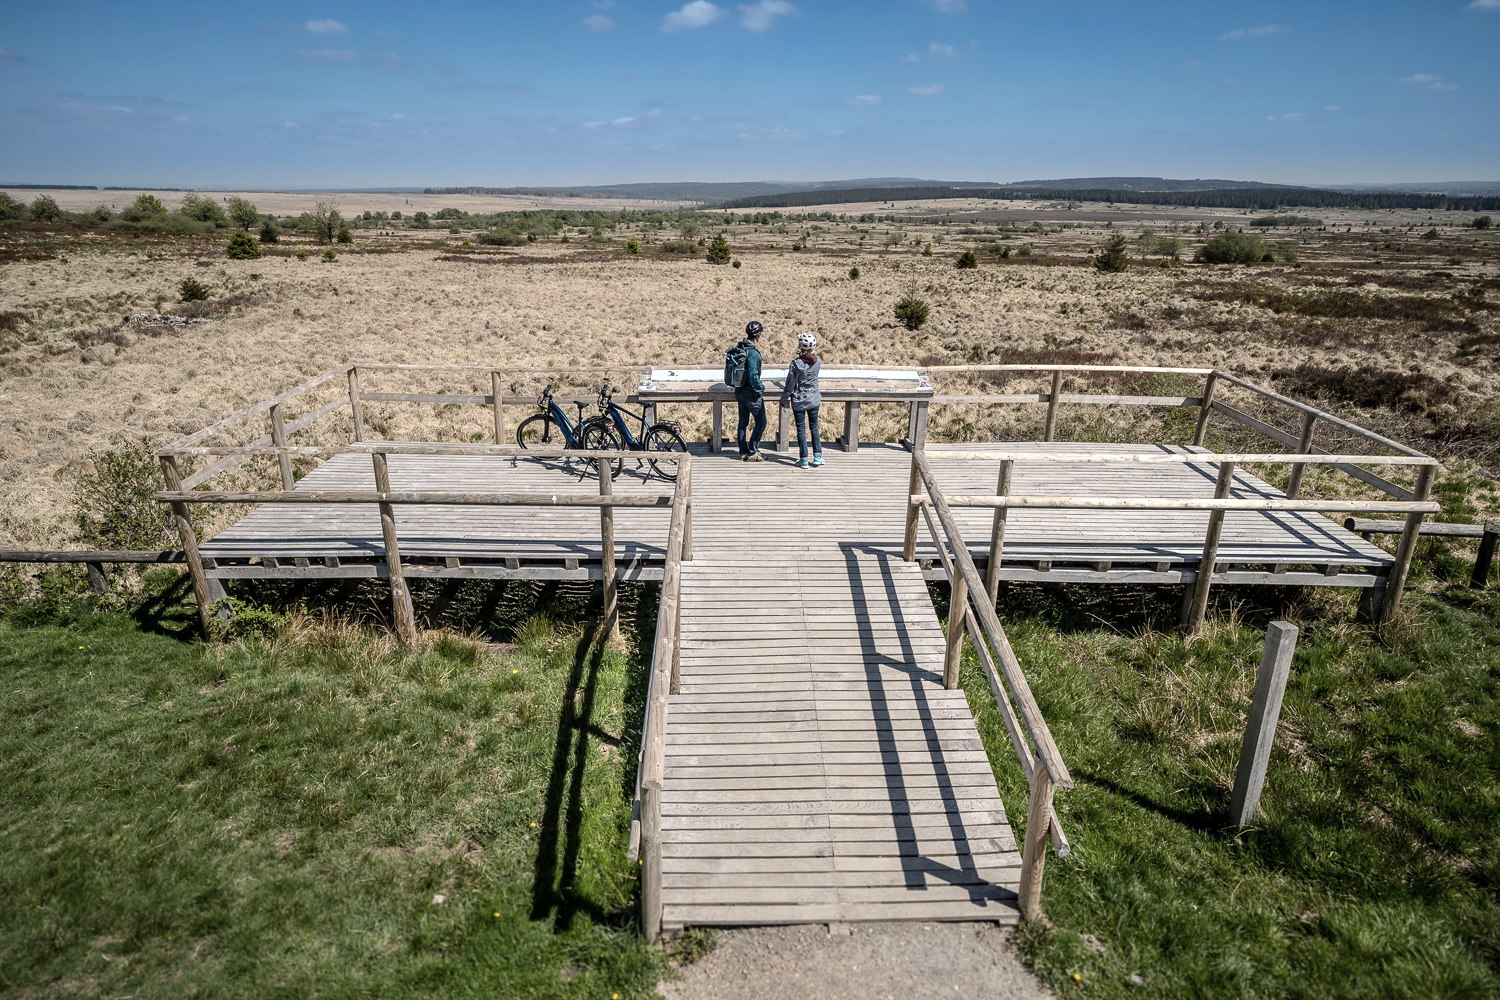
(816, 769)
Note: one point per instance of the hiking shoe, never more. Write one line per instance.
(801, 463)
(817, 460)
(755, 456)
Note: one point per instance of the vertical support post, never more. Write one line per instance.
(1034, 847)
(496, 397)
(278, 441)
(1486, 555)
(1052, 401)
(1407, 547)
(97, 581)
(189, 541)
(913, 486)
(356, 406)
(916, 432)
(783, 428)
(851, 426)
(958, 607)
(406, 618)
(1206, 408)
(716, 439)
(1260, 726)
(607, 551)
(1304, 447)
(651, 907)
(997, 534)
(1198, 606)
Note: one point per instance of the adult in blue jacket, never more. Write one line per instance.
(751, 397)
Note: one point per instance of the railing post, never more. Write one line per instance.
(685, 480)
(913, 485)
(278, 441)
(1395, 584)
(997, 533)
(651, 907)
(1198, 605)
(356, 407)
(1052, 401)
(851, 426)
(1034, 847)
(1486, 555)
(958, 607)
(189, 539)
(1206, 408)
(406, 618)
(496, 397)
(1260, 726)
(716, 439)
(607, 550)
(916, 430)
(1304, 446)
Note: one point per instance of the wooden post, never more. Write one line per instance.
(356, 407)
(958, 607)
(685, 481)
(278, 440)
(909, 546)
(1304, 446)
(1052, 401)
(997, 534)
(1206, 408)
(851, 426)
(916, 434)
(1198, 606)
(1034, 847)
(651, 881)
(1260, 726)
(1395, 584)
(607, 552)
(716, 439)
(783, 428)
(189, 539)
(499, 407)
(406, 618)
(1486, 555)
(98, 583)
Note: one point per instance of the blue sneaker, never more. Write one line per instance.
(817, 460)
(801, 463)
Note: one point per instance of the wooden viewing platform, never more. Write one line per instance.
(807, 755)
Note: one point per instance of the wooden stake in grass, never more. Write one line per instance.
(1260, 728)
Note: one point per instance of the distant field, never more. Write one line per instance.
(292, 202)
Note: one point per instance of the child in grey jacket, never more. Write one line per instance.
(801, 393)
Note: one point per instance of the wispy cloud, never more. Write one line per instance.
(1484, 5)
(598, 23)
(760, 16)
(926, 89)
(942, 50)
(381, 60)
(697, 14)
(327, 26)
(1242, 34)
(6, 55)
(1295, 116)
(613, 123)
(948, 6)
(865, 99)
(81, 109)
(1429, 81)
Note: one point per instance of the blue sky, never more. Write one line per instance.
(317, 94)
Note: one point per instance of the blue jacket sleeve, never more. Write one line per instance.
(752, 371)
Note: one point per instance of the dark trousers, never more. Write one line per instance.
(753, 407)
(807, 426)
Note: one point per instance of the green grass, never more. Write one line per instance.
(1373, 868)
(277, 817)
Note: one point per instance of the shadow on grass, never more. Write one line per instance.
(1210, 820)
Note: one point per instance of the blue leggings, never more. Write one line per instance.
(807, 425)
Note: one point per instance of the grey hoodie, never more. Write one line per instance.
(801, 390)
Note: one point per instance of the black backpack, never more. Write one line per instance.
(736, 361)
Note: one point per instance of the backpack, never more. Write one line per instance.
(736, 361)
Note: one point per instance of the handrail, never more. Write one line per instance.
(1121, 369)
(1185, 457)
(1323, 415)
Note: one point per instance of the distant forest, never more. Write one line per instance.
(1266, 198)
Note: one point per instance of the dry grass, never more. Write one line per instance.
(77, 377)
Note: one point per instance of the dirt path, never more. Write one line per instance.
(858, 962)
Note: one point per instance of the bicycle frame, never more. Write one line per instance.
(568, 428)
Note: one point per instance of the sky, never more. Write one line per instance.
(315, 94)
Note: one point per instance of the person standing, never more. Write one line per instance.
(750, 395)
(803, 396)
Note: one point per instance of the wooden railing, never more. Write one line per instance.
(972, 614)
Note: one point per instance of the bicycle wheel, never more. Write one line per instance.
(540, 431)
(597, 435)
(660, 437)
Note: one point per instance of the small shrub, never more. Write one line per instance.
(301, 254)
(967, 261)
(242, 246)
(719, 251)
(421, 220)
(680, 246)
(112, 501)
(1024, 251)
(243, 213)
(330, 255)
(1431, 234)
(1115, 256)
(1483, 222)
(735, 263)
(10, 208)
(500, 237)
(1232, 248)
(201, 209)
(927, 250)
(44, 208)
(911, 312)
(632, 247)
(268, 231)
(345, 234)
(192, 290)
(854, 273)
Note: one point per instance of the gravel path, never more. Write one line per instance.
(860, 962)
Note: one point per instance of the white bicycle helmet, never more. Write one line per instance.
(806, 342)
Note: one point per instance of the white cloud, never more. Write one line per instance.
(1334, 108)
(942, 50)
(760, 16)
(948, 6)
(614, 123)
(926, 89)
(622, 122)
(290, 126)
(1430, 81)
(654, 113)
(327, 26)
(1485, 5)
(598, 23)
(865, 99)
(1295, 116)
(1240, 34)
(911, 57)
(697, 14)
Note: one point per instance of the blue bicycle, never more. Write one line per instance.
(551, 428)
(614, 420)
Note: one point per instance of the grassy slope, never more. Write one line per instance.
(1373, 869)
(276, 818)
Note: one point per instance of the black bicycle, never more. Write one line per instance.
(614, 420)
(551, 428)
